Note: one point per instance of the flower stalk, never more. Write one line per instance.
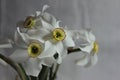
(16, 66)
(44, 72)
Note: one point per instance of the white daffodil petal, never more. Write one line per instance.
(93, 60)
(68, 41)
(91, 36)
(48, 61)
(38, 34)
(47, 25)
(59, 47)
(32, 67)
(38, 23)
(82, 61)
(44, 8)
(87, 49)
(5, 46)
(82, 34)
(23, 36)
(75, 33)
(64, 53)
(56, 25)
(37, 13)
(6, 43)
(59, 60)
(19, 55)
(19, 41)
(79, 37)
(49, 50)
(50, 19)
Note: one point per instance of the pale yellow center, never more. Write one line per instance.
(96, 47)
(59, 34)
(29, 22)
(34, 49)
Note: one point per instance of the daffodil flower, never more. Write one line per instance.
(51, 32)
(33, 53)
(45, 43)
(60, 38)
(89, 48)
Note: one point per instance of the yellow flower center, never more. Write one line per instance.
(96, 47)
(59, 34)
(34, 49)
(29, 22)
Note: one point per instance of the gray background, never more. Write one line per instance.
(103, 16)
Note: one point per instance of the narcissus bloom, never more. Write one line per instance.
(51, 32)
(59, 37)
(89, 49)
(41, 42)
(32, 53)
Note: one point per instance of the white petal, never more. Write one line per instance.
(50, 19)
(5, 46)
(93, 60)
(37, 13)
(82, 34)
(44, 8)
(64, 53)
(33, 67)
(49, 50)
(38, 34)
(87, 48)
(19, 41)
(59, 60)
(59, 47)
(82, 61)
(23, 36)
(6, 43)
(48, 61)
(56, 24)
(47, 25)
(38, 23)
(91, 37)
(68, 41)
(19, 55)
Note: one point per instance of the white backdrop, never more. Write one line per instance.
(103, 16)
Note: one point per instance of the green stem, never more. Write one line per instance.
(55, 73)
(71, 50)
(44, 72)
(33, 78)
(51, 72)
(52, 76)
(15, 66)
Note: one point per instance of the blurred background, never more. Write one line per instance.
(103, 16)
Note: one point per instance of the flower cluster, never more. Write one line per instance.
(41, 41)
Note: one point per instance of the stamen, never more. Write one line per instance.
(59, 34)
(34, 49)
(96, 47)
(29, 22)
